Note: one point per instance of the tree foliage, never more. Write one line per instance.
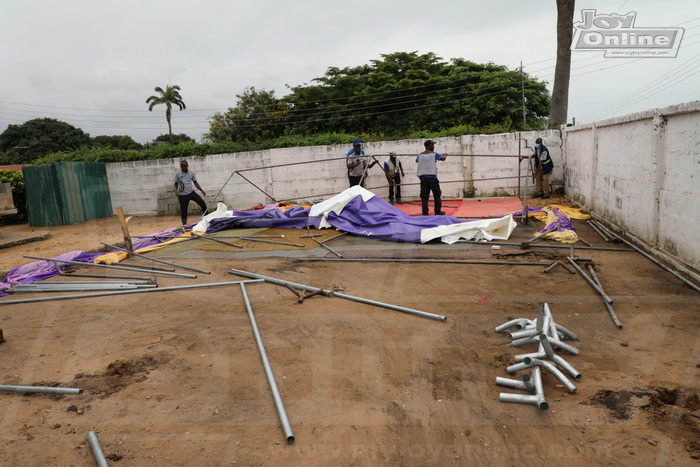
(176, 139)
(22, 144)
(257, 116)
(401, 93)
(169, 96)
(16, 180)
(123, 142)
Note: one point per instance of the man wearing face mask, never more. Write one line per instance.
(543, 167)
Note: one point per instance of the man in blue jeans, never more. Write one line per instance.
(184, 178)
(427, 173)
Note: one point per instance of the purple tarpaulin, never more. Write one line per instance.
(43, 269)
(374, 218)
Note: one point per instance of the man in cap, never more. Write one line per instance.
(543, 167)
(427, 173)
(357, 164)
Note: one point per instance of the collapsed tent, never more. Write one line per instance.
(359, 212)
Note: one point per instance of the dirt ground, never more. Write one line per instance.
(175, 377)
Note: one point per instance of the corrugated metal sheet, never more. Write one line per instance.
(66, 193)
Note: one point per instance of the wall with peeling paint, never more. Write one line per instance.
(641, 174)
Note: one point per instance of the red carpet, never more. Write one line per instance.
(468, 208)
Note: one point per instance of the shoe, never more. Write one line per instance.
(441, 213)
(537, 195)
(391, 201)
(398, 201)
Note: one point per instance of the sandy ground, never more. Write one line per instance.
(175, 378)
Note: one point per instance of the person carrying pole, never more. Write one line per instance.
(543, 167)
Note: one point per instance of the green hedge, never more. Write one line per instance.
(16, 181)
(190, 149)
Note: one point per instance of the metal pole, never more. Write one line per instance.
(445, 261)
(41, 389)
(598, 231)
(542, 245)
(254, 239)
(255, 186)
(97, 450)
(589, 280)
(693, 286)
(308, 288)
(289, 435)
(110, 266)
(611, 310)
(122, 292)
(327, 248)
(156, 259)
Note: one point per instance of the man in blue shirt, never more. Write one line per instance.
(427, 173)
(357, 164)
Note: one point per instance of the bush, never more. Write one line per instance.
(16, 180)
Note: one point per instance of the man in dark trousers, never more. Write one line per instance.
(394, 172)
(543, 167)
(184, 179)
(427, 173)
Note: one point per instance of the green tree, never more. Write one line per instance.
(399, 94)
(169, 97)
(123, 142)
(24, 143)
(257, 116)
(174, 139)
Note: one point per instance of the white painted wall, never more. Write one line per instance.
(315, 173)
(641, 173)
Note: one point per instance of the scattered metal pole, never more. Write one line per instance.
(41, 389)
(286, 426)
(654, 260)
(327, 248)
(445, 261)
(598, 231)
(111, 266)
(543, 245)
(156, 259)
(367, 301)
(122, 292)
(526, 244)
(589, 280)
(256, 239)
(97, 450)
(217, 241)
(611, 310)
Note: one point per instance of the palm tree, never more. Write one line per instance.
(560, 93)
(169, 97)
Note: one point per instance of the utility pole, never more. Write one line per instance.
(522, 91)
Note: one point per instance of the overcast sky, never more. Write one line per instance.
(93, 63)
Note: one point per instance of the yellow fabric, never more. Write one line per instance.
(117, 256)
(548, 217)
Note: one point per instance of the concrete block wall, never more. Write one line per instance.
(312, 174)
(641, 173)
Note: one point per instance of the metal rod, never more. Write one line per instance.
(111, 266)
(539, 389)
(333, 238)
(598, 231)
(524, 399)
(527, 381)
(546, 346)
(611, 310)
(41, 389)
(217, 241)
(327, 248)
(566, 366)
(123, 292)
(518, 322)
(526, 243)
(157, 260)
(308, 288)
(654, 260)
(256, 187)
(589, 280)
(97, 449)
(255, 239)
(553, 370)
(143, 266)
(544, 245)
(511, 383)
(446, 261)
(286, 426)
